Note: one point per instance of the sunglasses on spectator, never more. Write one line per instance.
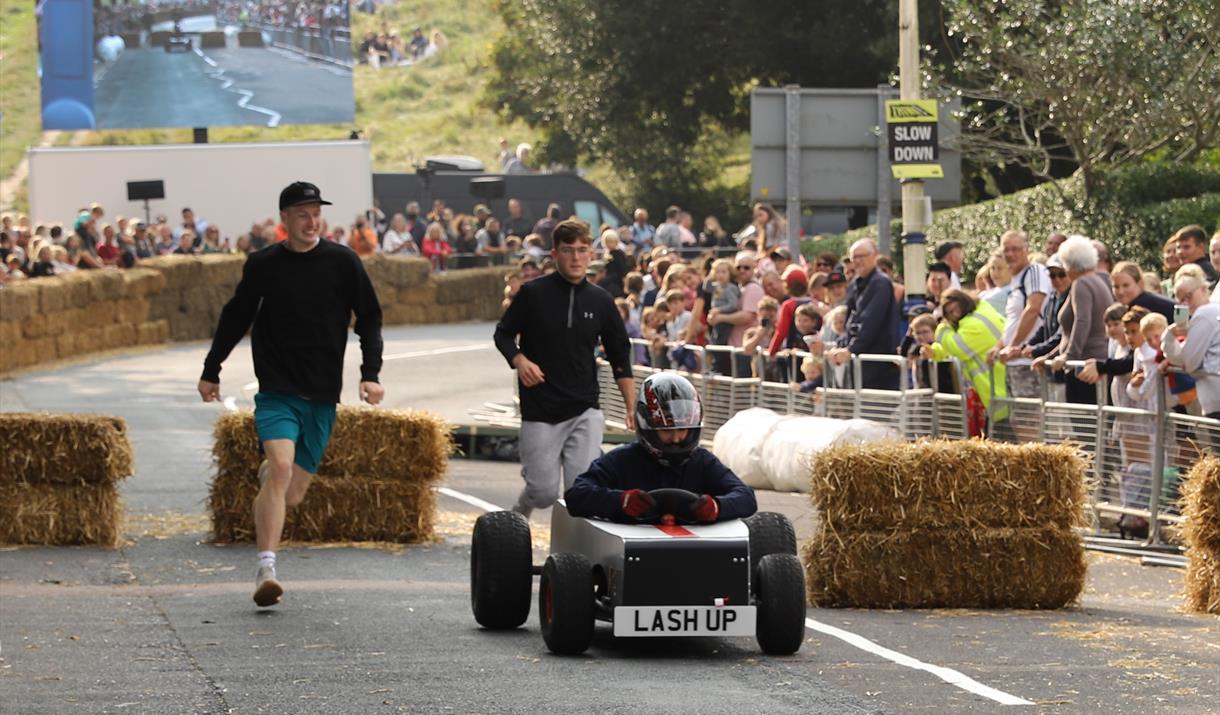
(1058, 274)
(745, 268)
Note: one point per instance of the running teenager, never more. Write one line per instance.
(299, 295)
(549, 334)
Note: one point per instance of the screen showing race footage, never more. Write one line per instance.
(194, 63)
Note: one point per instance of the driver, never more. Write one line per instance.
(668, 420)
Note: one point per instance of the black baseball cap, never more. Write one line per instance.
(835, 277)
(299, 193)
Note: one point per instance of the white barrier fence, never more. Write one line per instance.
(1139, 456)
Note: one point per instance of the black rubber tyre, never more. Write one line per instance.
(770, 533)
(779, 594)
(565, 603)
(501, 570)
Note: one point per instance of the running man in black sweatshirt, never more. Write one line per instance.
(299, 295)
(559, 319)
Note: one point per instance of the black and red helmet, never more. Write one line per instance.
(667, 401)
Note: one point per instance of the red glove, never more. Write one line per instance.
(636, 502)
(706, 509)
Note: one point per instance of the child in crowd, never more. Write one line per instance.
(922, 333)
(835, 325)
(811, 370)
(653, 329)
(639, 354)
(1133, 391)
(679, 318)
(1182, 395)
(725, 297)
(760, 335)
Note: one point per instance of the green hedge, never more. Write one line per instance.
(1132, 211)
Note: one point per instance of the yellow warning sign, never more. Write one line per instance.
(917, 171)
(901, 111)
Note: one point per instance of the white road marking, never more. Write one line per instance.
(950, 676)
(438, 351)
(217, 73)
(471, 500)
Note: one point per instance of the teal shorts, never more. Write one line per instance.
(306, 422)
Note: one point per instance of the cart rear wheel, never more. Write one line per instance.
(770, 533)
(501, 570)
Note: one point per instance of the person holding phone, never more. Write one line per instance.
(1192, 342)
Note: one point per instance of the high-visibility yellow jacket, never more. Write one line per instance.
(976, 334)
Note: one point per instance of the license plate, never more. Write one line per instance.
(638, 621)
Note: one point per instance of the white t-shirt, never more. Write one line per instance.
(1034, 278)
(392, 242)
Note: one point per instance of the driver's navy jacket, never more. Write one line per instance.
(599, 491)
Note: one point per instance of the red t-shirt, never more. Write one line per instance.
(108, 252)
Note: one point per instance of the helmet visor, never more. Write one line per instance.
(674, 414)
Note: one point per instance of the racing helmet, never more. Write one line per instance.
(667, 401)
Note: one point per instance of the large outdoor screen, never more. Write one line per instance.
(194, 63)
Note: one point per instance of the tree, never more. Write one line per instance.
(1089, 82)
(655, 87)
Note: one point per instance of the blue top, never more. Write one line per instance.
(599, 491)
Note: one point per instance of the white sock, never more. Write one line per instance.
(266, 558)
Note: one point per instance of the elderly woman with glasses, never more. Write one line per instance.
(1081, 319)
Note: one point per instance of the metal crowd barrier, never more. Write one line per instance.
(1138, 456)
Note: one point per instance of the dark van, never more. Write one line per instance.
(462, 183)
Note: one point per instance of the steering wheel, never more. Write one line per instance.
(673, 506)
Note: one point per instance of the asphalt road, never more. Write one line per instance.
(148, 87)
(165, 624)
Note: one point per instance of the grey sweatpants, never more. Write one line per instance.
(549, 450)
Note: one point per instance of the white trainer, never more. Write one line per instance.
(267, 590)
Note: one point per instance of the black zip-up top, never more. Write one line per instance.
(559, 324)
(300, 305)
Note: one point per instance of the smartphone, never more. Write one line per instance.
(765, 322)
(1181, 314)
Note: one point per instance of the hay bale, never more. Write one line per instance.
(397, 271)
(152, 332)
(1201, 532)
(1201, 505)
(1203, 582)
(104, 286)
(941, 483)
(142, 282)
(390, 445)
(63, 449)
(132, 311)
(335, 509)
(374, 483)
(58, 514)
(179, 271)
(421, 294)
(945, 568)
(19, 300)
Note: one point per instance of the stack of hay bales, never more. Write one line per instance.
(1201, 529)
(59, 478)
(935, 523)
(77, 314)
(195, 291)
(411, 294)
(375, 482)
